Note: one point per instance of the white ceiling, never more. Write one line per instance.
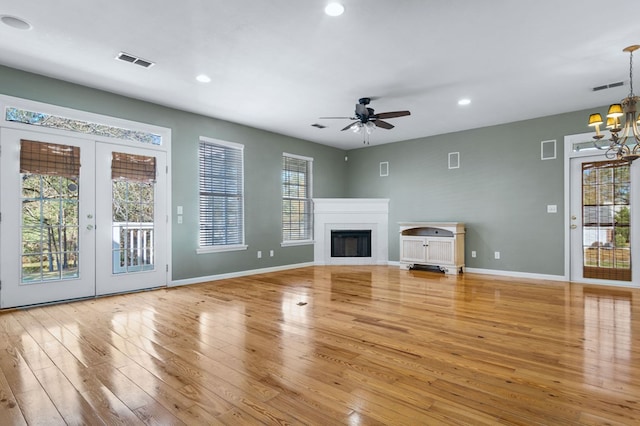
(279, 65)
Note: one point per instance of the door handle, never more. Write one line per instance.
(574, 226)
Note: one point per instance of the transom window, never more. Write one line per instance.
(221, 184)
(53, 121)
(297, 207)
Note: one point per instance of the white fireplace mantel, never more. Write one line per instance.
(351, 214)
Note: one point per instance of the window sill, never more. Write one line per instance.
(218, 249)
(296, 243)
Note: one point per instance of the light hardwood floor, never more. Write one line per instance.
(329, 345)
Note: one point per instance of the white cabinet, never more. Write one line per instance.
(438, 244)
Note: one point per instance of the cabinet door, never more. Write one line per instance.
(413, 249)
(440, 251)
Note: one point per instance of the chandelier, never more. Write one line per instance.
(624, 142)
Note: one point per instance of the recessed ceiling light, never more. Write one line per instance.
(14, 22)
(203, 78)
(334, 9)
(464, 101)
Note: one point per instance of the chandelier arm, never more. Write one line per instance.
(626, 129)
(610, 154)
(634, 128)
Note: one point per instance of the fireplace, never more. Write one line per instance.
(353, 221)
(351, 243)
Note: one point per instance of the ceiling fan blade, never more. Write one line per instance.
(393, 114)
(349, 126)
(383, 124)
(337, 118)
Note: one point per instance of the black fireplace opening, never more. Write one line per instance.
(351, 243)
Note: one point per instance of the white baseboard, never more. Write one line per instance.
(515, 274)
(198, 280)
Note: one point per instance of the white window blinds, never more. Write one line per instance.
(297, 208)
(221, 194)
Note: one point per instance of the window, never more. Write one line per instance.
(221, 196)
(606, 186)
(297, 208)
(133, 181)
(43, 119)
(50, 175)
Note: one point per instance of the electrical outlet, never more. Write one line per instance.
(259, 254)
(474, 254)
(271, 253)
(497, 255)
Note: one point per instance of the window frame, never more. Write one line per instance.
(310, 240)
(215, 248)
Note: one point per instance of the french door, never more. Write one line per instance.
(603, 220)
(79, 218)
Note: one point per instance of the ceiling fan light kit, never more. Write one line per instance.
(625, 145)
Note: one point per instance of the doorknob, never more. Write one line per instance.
(573, 217)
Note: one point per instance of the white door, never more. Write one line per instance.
(603, 220)
(57, 236)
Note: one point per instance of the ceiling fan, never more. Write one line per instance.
(366, 117)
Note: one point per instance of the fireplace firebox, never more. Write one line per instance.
(351, 243)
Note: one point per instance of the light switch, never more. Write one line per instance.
(179, 210)
(552, 208)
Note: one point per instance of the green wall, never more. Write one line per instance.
(263, 162)
(501, 190)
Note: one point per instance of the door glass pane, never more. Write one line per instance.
(606, 225)
(133, 213)
(49, 227)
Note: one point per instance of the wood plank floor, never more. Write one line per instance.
(329, 345)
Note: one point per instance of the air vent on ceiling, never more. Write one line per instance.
(319, 126)
(608, 86)
(134, 60)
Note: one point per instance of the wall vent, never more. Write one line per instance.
(608, 86)
(134, 60)
(318, 125)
